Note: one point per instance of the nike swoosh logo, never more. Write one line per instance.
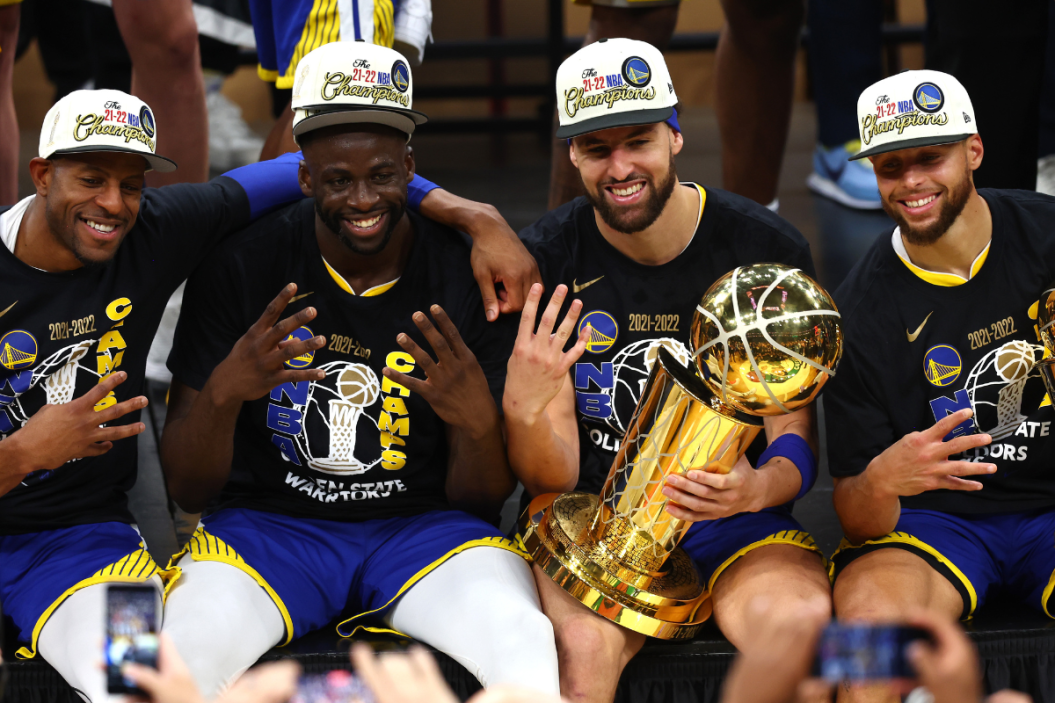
(912, 335)
(298, 297)
(575, 287)
(8, 308)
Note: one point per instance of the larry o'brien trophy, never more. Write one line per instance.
(766, 339)
(1046, 329)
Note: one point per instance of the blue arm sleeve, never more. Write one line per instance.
(797, 450)
(272, 184)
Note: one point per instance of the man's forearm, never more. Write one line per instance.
(456, 212)
(197, 449)
(539, 458)
(781, 481)
(12, 464)
(478, 478)
(864, 512)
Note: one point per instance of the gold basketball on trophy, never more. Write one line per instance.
(766, 338)
(1046, 328)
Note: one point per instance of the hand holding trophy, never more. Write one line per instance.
(766, 339)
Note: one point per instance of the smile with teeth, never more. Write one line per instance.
(104, 229)
(366, 224)
(921, 202)
(623, 192)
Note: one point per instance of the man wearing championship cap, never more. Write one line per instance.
(88, 263)
(939, 426)
(338, 455)
(638, 252)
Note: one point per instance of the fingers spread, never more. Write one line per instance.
(414, 385)
(949, 422)
(115, 411)
(423, 360)
(436, 340)
(103, 388)
(967, 468)
(275, 307)
(568, 323)
(449, 331)
(281, 331)
(549, 316)
(112, 434)
(527, 317)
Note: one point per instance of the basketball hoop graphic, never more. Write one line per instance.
(355, 389)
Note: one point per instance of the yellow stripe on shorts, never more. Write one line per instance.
(323, 27)
(795, 538)
(384, 23)
(137, 567)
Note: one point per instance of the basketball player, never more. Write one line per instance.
(754, 84)
(338, 455)
(638, 252)
(940, 428)
(88, 263)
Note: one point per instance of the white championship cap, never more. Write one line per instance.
(613, 83)
(350, 82)
(102, 120)
(913, 109)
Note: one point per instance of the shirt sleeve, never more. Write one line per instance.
(210, 322)
(857, 425)
(271, 184)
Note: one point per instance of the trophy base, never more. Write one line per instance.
(671, 605)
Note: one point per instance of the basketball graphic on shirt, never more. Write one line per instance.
(334, 419)
(1004, 387)
(630, 368)
(358, 385)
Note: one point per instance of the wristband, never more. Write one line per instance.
(796, 450)
(417, 189)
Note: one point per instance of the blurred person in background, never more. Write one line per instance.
(9, 12)
(754, 67)
(287, 30)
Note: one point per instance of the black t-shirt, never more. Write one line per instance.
(353, 446)
(974, 346)
(635, 308)
(64, 332)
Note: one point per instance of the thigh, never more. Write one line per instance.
(39, 571)
(1031, 573)
(221, 621)
(403, 551)
(307, 567)
(481, 608)
(72, 639)
(932, 560)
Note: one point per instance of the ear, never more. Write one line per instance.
(571, 154)
(676, 140)
(41, 171)
(304, 179)
(975, 151)
(409, 164)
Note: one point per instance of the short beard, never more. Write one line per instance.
(67, 237)
(333, 223)
(653, 207)
(956, 201)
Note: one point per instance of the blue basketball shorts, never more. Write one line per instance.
(317, 570)
(286, 30)
(715, 544)
(978, 554)
(40, 570)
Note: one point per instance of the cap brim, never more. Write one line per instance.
(909, 144)
(154, 162)
(403, 120)
(619, 119)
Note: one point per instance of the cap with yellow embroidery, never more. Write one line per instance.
(913, 109)
(353, 82)
(102, 120)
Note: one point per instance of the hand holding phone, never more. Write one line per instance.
(866, 652)
(337, 686)
(131, 633)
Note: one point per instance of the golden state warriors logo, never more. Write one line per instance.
(18, 349)
(299, 362)
(942, 365)
(603, 331)
(928, 97)
(636, 72)
(146, 120)
(401, 76)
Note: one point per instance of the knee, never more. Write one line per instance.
(586, 635)
(857, 598)
(652, 25)
(763, 24)
(167, 44)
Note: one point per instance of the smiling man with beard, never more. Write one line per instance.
(338, 458)
(638, 252)
(939, 428)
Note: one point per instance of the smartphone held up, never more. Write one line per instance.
(131, 632)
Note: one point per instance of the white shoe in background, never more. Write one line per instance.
(231, 142)
(1046, 175)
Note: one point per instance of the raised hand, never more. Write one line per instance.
(256, 364)
(455, 386)
(56, 434)
(919, 461)
(539, 365)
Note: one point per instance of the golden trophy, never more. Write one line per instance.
(766, 338)
(1046, 329)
